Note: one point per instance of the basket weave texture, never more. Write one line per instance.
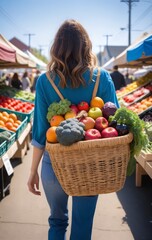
(91, 167)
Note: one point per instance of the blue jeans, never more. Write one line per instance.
(83, 208)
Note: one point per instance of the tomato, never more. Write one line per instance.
(83, 106)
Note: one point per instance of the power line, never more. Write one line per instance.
(144, 14)
(10, 20)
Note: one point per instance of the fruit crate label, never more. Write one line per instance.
(7, 164)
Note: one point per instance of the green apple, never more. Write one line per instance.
(95, 112)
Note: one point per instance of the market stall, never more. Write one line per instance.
(16, 114)
(13, 57)
(137, 96)
(143, 57)
(39, 63)
(16, 118)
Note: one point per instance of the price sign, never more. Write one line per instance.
(7, 164)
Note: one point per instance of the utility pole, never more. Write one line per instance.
(40, 49)
(107, 36)
(29, 37)
(100, 55)
(129, 2)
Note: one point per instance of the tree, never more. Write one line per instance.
(37, 53)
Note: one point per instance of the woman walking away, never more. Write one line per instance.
(16, 82)
(26, 82)
(74, 71)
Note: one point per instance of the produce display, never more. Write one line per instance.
(15, 93)
(9, 121)
(16, 104)
(142, 105)
(99, 120)
(135, 85)
(137, 96)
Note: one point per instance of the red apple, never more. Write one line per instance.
(95, 112)
(91, 134)
(74, 108)
(101, 123)
(109, 132)
(88, 122)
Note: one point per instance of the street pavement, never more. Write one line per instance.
(126, 215)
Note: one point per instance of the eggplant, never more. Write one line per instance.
(122, 129)
(113, 124)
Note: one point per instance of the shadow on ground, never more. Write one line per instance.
(137, 204)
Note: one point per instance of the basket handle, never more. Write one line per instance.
(59, 93)
(96, 84)
(54, 86)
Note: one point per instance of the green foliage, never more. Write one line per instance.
(70, 131)
(136, 127)
(37, 53)
(58, 108)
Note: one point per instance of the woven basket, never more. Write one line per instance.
(91, 167)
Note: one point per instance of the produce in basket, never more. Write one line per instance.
(60, 108)
(136, 127)
(70, 131)
(108, 109)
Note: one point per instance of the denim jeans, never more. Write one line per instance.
(83, 208)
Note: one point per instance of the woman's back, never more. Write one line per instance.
(15, 81)
(26, 82)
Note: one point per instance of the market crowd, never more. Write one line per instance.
(25, 81)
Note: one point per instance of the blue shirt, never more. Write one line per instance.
(45, 95)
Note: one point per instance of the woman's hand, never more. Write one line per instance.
(33, 183)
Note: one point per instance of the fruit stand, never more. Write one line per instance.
(16, 116)
(137, 97)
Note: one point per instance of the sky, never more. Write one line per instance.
(42, 18)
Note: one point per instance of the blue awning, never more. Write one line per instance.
(143, 48)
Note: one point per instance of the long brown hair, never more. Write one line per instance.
(71, 54)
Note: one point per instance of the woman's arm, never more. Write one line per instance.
(33, 181)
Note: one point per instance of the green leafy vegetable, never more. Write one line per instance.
(136, 127)
(58, 108)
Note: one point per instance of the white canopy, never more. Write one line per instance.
(109, 65)
(21, 59)
(40, 64)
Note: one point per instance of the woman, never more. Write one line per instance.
(16, 82)
(73, 69)
(26, 82)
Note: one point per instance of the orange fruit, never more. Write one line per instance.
(4, 119)
(13, 129)
(97, 102)
(70, 114)
(148, 104)
(18, 122)
(51, 135)
(13, 116)
(10, 120)
(15, 125)
(9, 125)
(2, 123)
(6, 114)
(56, 120)
(1, 126)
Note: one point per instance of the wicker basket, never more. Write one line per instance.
(91, 167)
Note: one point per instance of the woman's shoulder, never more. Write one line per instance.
(42, 80)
